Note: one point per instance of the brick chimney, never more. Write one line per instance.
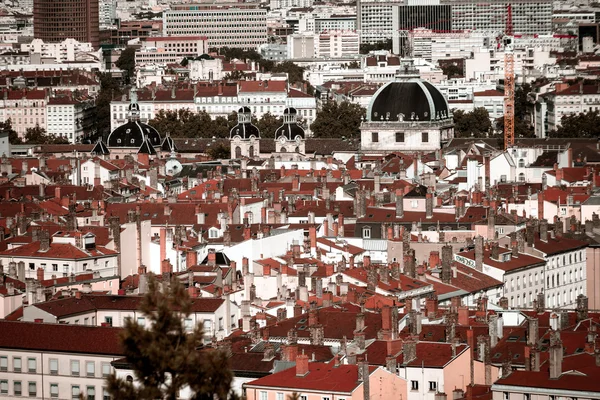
(399, 203)
(544, 230)
(556, 355)
(479, 253)
(301, 365)
(40, 274)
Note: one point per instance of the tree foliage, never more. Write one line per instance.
(219, 151)
(164, 356)
(366, 48)
(109, 89)
(267, 125)
(452, 71)
(126, 62)
(472, 124)
(335, 120)
(38, 135)
(584, 125)
(294, 71)
(13, 136)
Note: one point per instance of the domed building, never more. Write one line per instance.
(133, 133)
(290, 137)
(407, 114)
(244, 137)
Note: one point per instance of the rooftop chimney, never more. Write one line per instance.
(301, 365)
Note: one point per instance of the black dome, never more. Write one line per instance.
(413, 98)
(245, 131)
(290, 131)
(132, 134)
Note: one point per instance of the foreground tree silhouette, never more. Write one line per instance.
(165, 357)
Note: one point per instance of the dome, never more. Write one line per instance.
(132, 134)
(411, 99)
(134, 107)
(244, 128)
(290, 128)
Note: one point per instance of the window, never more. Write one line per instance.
(221, 323)
(366, 232)
(53, 366)
(32, 389)
(188, 324)
(505, 395)
(263, 395)
(32, 365)
(54, 390)
(90, 368)
(414, 385)
(3, 363)
(108, 320)
(399, 137)
(432, 386)
(374, 137)
(303, 397)
(17, 388)
(17, 364)
(105, 369)
(425, 137)
(75, 392)
(279, 396)
(3, 387)
(74, 367)
(91, 392)
(141, 321)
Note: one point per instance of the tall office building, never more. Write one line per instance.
(57, 20)
(225, 25)
(379, 20)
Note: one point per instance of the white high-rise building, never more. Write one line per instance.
(237, 25)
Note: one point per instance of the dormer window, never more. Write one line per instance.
(366, 232)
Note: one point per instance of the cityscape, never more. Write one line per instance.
(300, 199)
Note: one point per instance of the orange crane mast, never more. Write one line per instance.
(509, 83)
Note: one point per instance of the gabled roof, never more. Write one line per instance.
(323, 377)
(60, 338)
(100, 149)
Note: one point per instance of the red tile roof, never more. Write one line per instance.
(65, 251)
(60, 338)
(324, 377)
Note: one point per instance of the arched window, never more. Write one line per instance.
(297, 149)
(521, 177)
(283, 150)
(521, 163)
(251, 151)
(238, 152)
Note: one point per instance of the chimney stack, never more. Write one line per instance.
(301, 365)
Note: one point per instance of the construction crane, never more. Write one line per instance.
(509, 82)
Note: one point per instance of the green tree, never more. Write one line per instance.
(36, 135)
(335, 120)
(354, 65)
(584, 125)
(452, 71)
(472, 124)
(235, 75)
(267, 124)
(165, 357)
(109, 89)
(294, 71)
(366, 48)
(219, 151)
(126, 62)
(13, 136)
(167, 121)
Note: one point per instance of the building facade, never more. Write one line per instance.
(225, 25)
(57, 20)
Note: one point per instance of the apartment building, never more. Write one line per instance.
(379, 21)
(65, 51)
(220, 100)
(63, 254)
(522, 274)
(224, 24)
(330, 44)
(434, 46)
(564, 100)
(170, 50)
(69, 118)
(42, 361)
(217, 316)
(25, 109)
(320, 23)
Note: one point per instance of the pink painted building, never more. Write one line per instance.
(331, 381)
